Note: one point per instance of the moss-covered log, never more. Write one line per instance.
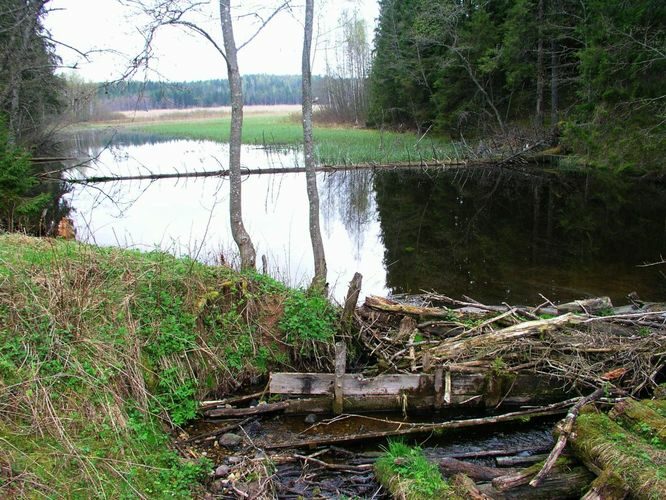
(601, 441)
(641, 419)
(607, 486)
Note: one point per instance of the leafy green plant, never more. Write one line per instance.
(308, 318)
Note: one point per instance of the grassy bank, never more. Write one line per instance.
(104, 352)
(334, 144)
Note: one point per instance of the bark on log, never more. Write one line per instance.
(520, 460)
(390, 306)
(560, 485)
(451, 466)
(586, 306)
(244, 412)
(352, 298)
(511, 333)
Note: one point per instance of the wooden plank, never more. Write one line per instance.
(357, 385)
(456, 386)
(352, 384)
(301, 383)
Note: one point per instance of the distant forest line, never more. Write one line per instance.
(260, 89)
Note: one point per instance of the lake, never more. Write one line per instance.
(494, 234)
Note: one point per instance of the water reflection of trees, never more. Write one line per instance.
(349, 194)
(503, 235)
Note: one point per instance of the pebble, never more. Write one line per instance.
(230, 440)
(311, 418)
(234, 459)
(222, 471)
(253, 428)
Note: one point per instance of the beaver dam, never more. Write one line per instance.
(127, 374)
(552, 401)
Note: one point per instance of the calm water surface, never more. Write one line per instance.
(493, 234)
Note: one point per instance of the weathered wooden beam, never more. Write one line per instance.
(451, 466)
(338, 386)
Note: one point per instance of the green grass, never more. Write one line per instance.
(406, 472)
(333, 145)
(103, 351)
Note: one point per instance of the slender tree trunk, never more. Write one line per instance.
(554, 83)
(308, 152)
(541, 77)
(240, 235)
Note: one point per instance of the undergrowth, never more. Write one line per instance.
(104, 351)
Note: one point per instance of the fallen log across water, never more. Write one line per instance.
(424, 165)
(404, 429)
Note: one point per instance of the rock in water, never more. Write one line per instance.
(230, 440)
(311, 418)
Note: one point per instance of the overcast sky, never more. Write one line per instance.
(114, 29)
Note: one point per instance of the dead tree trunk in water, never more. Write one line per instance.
(319, 279)
(240, 235)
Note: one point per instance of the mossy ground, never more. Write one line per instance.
(104, 351)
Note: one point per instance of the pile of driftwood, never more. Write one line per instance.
(584, 344)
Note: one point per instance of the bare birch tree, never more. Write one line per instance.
(319, 279)
(174, 13)
(241, 237)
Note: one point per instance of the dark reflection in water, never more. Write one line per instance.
(504, 235)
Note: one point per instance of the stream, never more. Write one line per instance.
(300, 478)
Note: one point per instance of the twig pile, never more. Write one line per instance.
(586, 347)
